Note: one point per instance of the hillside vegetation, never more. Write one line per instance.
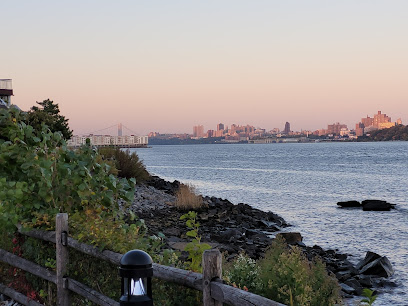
(398, 132)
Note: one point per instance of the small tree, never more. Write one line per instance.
(49, 114)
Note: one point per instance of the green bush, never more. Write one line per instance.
(243, 273)
(284, 275)
(128, 164)
(39, 175)
(289, 277)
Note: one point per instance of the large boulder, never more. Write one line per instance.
(291, 237)
(376, 205)
(349, 204)
(370, 257)
(380, 267)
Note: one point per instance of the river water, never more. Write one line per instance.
(302, 183)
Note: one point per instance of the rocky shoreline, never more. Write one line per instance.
(242, 228)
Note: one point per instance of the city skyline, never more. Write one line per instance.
(166, 67)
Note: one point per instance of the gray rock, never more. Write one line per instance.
(349, 204)
(353, 283)
(370, 256)
(291, 237)
(347, 289)
(381, 267)
(376, 205)
(365, 281)
(343, 275)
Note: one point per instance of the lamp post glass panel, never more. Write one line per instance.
(136, 272)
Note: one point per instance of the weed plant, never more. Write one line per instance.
(187, 198)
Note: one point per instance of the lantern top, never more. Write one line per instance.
(136, 259)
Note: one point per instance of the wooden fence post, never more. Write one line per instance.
(61, 236)
(212, 269)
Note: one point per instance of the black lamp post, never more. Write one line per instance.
(136, 272)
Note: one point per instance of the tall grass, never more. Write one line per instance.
(187, 198)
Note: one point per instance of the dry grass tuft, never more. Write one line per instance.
(187, 199)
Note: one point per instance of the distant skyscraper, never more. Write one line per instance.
(120, 129)
(198, 131)
(286, 130)
(220, 126)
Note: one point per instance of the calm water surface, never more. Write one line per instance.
(303, 183)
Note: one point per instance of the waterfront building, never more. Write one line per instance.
(378, 122)
(335, 128)
(220, 127)
(380, 118)
(6, 91)
(131, 141)
(344, 132)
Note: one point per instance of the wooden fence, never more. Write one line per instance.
(215, 293)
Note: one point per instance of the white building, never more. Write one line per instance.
(131, 141)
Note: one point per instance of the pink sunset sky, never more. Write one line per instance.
(165, 66)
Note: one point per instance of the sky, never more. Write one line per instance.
(166, 66)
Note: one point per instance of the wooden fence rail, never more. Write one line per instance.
(214, 291)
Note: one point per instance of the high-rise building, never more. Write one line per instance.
(220, 126)
(286, 130)
(210, 133)
(379, 121)
(335, 128)
(359, 129)
(198, 131)
(381, 118)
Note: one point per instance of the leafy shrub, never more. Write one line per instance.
(284, 275)
(106, 231)
(128, 164)
(289, 277)
(244, 273)
(187, 199)
(39, 175)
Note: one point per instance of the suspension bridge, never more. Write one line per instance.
(104, 138)
(116, 129)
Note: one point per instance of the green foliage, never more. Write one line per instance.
(370, 297)
(128, 164)
(244, 273)
(41, 176)
(106, 231)
(49, 115)
(284, 275)
(194, 248)
(398, 132)
(289, 277)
